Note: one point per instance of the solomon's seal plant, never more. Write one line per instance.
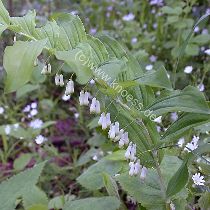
(156, 163)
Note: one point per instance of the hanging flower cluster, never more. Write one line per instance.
(114, 133)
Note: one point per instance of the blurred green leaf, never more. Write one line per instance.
(22, 161)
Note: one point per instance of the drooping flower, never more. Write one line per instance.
(59, 80)
(172, 206)
(84, 98)
(130, 153)
(181, 142)
(46, 69)
(36, 124)
(143, 173)
(158, 119)
(69, 87)
(188, 69)
(198, 179)
(66, 97)
(95, 106)
(135, 168)
(174, 116)
(40, 139)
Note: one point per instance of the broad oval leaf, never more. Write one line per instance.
(102, 203)
(19, 63)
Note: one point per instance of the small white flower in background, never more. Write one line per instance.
(188, 69)
(128, 17)
(207, 51)
(27, 108)
(201, 87)
(181, 142)
(174, 116)
(172, 206)
(1, 110)
(92, 82)
(95, 157)
(197, 29)
(95, 106)
(158, 119)
(155, 25)
(153, 58)
(76, 115)
(208, 11)
(47, 69)
(93, 31)
(134, 40)
(83, 98)
(156, 2)
(130, 153)
(33, 112)
(149, 67)
(16, 126)
(192, 145)
(40, 139)
(205, 31)
(143, 173)
(66, 97)
(69, 87)
(36, 124)
(34, 105)
(198, 179)
(59, 80)
(7, 130)
(14, 39)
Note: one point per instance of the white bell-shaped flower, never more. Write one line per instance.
(132, 168)
(69, 87)
(131, 152)
(101, 118)
(143, 173)
(98, 107)
(59, 80)
(46, 69)
(119, 135)
(111, 132)
(83, 98)
(108, 120)
(93, 106)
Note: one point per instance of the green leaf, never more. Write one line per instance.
(33, 197)
(172, 11)
(59, 201)
(182, 125)
(92, 178)
(157, 78)
(201, 39)
(4, 15)
(23, 55)
(38, 207)
(192, 49)
(50, 31)
(111, 185)
(2, 29)
(22, 161)
(204, 200)
(25, 25)
(178, 180)
(196, 102)
(28, 88)
(102, 203)
(18, 185)
(72, 32)
(83, 72)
